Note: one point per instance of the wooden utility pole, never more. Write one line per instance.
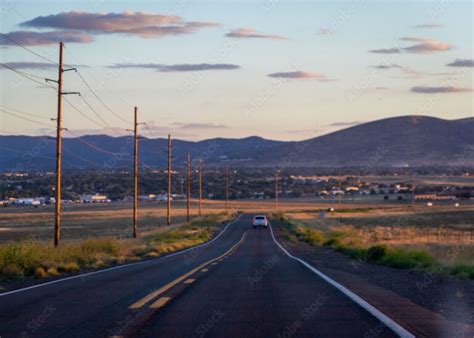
(181, 179)
(168, 210)
(188, 198)
(200, 187)
(135, 173)
(276, 191)
(59, 129)
(227, 189)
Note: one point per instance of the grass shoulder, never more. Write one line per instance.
(348, 244)
(29, 259)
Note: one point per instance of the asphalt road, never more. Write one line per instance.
(241, 285)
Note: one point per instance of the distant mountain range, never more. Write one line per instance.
(399, 141)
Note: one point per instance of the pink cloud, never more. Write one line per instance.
(425, 45)
(145, 25)
(252, 34)
(30, 38)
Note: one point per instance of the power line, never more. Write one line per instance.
(95, 112)
(26, 75)
(28, 49)
(23, 112)
(26, 119)
(93, 146)
(100, 100)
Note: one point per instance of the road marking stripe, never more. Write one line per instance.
(121, 266)
(160, 302)
(189, 281)
(390, 323)
(204, 270)
(171, 284)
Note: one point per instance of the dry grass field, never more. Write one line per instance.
(445, 232)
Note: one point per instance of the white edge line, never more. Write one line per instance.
(120, 266)
(390, 323)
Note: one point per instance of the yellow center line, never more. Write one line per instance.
(160, 302)
(171, 284)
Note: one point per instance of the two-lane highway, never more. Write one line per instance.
(240, 285)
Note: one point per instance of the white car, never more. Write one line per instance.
(260, 221)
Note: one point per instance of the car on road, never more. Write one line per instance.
(260, 221)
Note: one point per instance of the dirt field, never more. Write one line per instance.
(368, 215)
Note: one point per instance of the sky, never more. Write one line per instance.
(280, 69)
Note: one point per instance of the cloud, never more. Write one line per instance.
(299, 75)
(428, 25)
(462, 63)
(386, 51)
(345, 124)
(248, 33)
(178, 67)
(381, 88)
(36, 65)
(439, 90)
(386, 66)
(181, 125)
(145, 25)
(423, 46)
(30, 38)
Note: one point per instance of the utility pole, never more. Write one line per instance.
(59, 130)
(181, 179)
(413, 195)
(226, 189)
(135, 173)
(276, 191)
(168, 211)
(200, 187)
(188, 199)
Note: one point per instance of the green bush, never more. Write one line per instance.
(463, 271)
(313, 237)
(406, 259)
(333, 242)
(376, 252)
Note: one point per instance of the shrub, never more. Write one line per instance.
(406, 259)
(463, 271)
(40, 273)
(333, 242)
(313, 237)
(53, 272)
(376, 252)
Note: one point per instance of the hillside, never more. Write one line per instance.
(399, 141)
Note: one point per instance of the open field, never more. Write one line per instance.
(445, 233)
(114, 219)
(464, 181)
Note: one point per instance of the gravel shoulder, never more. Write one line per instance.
(428, 304)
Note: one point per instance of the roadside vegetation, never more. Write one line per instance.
(39, 259)
(348, 243)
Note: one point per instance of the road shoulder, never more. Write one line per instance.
(396, 293)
